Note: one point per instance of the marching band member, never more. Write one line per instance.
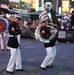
(1, 42)
(8, 17)
(50, 47)
(3, 36)
(14, 46)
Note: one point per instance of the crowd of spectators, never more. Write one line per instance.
(31, 24)
(66, 23)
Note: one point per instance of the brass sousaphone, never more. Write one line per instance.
(40, 38)
(43, 17)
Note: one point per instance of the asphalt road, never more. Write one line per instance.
(33, 53)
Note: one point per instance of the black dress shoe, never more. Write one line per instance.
(2, 49)
(43, 68)
(19, 70)
(49, 66)
(10, 72)
(7, 49)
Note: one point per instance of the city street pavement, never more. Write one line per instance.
(33, 53)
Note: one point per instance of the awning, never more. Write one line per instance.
(35, 13)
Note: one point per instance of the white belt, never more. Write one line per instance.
(11, 36)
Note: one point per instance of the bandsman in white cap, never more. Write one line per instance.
(14, 45)
(45, 32)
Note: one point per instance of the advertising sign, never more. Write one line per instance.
(65, 5)
(16, 1)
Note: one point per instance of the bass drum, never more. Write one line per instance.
(3, 25)
(40, 38)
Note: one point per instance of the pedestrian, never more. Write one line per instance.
(13, 44)
(49, 46)
(72, 20)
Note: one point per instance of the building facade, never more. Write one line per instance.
(4, 2)
(35, 4)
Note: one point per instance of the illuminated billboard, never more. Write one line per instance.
(16, 1)
(65, 5)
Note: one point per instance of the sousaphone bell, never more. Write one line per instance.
(39, 37)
